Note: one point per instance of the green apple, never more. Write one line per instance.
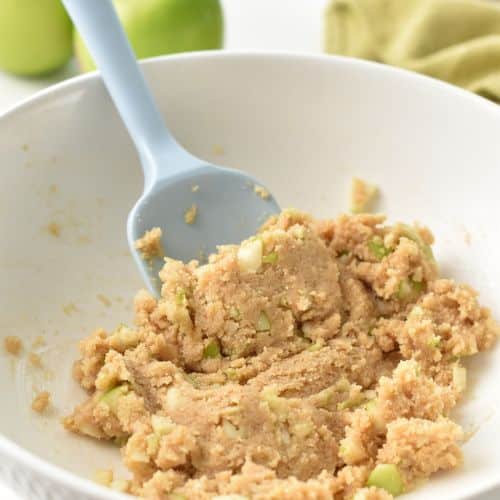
(156, 27)
(35, 36)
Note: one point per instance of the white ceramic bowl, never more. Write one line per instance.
(303, 124)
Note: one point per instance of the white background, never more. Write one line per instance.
(294, 25)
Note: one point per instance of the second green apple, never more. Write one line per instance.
(156, 27)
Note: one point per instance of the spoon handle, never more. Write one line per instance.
(99, 26)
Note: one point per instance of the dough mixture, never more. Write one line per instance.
(316, 360)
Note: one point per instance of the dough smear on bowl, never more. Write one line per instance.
(318, 359)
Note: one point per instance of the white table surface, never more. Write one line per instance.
(294, 25)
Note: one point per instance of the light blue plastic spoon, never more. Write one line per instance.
(228, 209)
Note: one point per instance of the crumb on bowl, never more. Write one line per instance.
(262, 192)
(38, 342)
(104, 300)
(363, 194)
(149, 245)
(104, 477)
(34, 360)
(218, 150)
(54, 229)
(13, 345)
(191, 214)
(41, 402)
(70, 308)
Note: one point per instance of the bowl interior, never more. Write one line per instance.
(305, 126)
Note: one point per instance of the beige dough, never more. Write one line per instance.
(288, 367)
(150, 244)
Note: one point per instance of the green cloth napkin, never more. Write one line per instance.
(454, 40)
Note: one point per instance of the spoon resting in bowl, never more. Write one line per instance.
(196, 205)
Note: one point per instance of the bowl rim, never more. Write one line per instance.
(18, 454)
(391, 71)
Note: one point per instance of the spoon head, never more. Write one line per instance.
(196, 211)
